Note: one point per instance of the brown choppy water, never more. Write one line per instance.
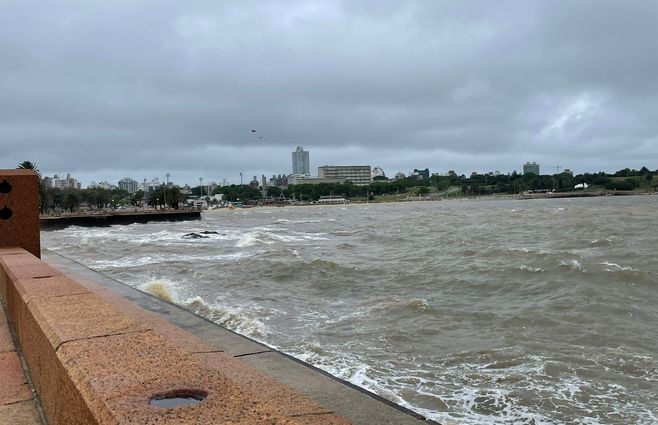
(537, 312)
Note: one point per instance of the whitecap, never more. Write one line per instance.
(164, 290)
(234, 318)
(614, 267)
(572, 264)
(525, 268)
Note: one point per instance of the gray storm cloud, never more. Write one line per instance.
(106, 89)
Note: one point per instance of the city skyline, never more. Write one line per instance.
(222, 89)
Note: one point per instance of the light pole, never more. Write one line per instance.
(165, 189)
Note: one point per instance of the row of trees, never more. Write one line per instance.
(516, 183)
(71, 199)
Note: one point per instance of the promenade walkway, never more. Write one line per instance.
(18, 400)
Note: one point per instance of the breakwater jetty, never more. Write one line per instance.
(77, 347)
(109, 218)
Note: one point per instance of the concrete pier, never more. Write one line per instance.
(108, 219)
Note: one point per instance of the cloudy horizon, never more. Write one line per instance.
(140, 89)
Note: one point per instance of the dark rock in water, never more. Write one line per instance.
(208, 232)
(195, 236)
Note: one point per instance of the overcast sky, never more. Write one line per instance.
(107, 89)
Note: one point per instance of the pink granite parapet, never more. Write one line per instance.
(19, 210)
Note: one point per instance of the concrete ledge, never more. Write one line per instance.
(96, 358)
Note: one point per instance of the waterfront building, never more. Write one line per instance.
(279, 181)
(531, 167)
(378, 172)
(57, 183)
(128, 184)
(332, 200)
(304, 179)
(150, 187)
(421, 174)
(300, 162)
(358, 174)
(101, 185)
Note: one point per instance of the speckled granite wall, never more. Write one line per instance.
(19, 210)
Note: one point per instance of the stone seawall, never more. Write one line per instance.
(96, 358)
(99, 352)
(107, 219)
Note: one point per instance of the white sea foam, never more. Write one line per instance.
(525, 268)
(269, 237)
(572, 264)
(613, 267)
(163, 289)
(252, 239)
(127, 262)
(234, 318)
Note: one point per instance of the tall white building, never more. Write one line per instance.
(300, 162)
(101, 185)
(358, 174)
(58, 183)
(128, 184)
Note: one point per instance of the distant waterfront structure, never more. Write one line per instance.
(279, 181)
(58, 183)
(101, 185)
(378, 172)
(128, 184)
(300, 162)
(531, 167)
(421, 174)
(149, 187)
(360, 175)
(304, 179)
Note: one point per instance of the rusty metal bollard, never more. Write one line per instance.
(19, 210)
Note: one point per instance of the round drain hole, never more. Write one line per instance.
(5, 187)
(5, 214)
(178, 399)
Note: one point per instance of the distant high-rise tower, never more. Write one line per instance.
(300, 162)
(531, 167)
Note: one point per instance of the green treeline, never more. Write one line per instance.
(475, 185)
(439, 186)
(97, 198)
